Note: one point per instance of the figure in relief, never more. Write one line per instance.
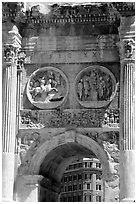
(47, 86)
(94, 85)
(92, 82)
(80, 88)
(86, 88)
(101, 88)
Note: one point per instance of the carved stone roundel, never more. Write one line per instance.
(95, 87)
(47, 88)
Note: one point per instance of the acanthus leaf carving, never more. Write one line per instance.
(126, 48)
(13, 54)
(10, 53)
(129, 47)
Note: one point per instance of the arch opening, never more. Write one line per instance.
(53, 168)
(53, 156)
(55, 163)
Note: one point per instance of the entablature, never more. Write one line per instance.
(97, 14)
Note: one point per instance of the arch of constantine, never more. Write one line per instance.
(68, 93)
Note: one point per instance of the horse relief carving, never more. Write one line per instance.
(47, 88)
(95, 84)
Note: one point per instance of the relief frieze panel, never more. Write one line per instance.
(69, 118)
(62, 119)
(111, 118)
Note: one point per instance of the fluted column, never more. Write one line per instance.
(18, 103)
(127, 109)
(9, 84)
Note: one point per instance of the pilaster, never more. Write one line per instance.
(127, 108)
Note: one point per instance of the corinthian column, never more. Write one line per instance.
(9, 85)
(127, 109)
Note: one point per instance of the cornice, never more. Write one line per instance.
(94, 13)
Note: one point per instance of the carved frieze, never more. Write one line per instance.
(62, 119)
(95, 87)
(47, 88)
(111, 118)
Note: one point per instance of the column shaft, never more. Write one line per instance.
(127, 131)
(9, 86)
(8, 130)
(127, 109)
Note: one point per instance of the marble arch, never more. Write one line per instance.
(69, 137)
(93, 37)
(49, 160)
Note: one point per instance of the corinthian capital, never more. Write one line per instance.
(12, 46)
(10, 53)
(127, 49)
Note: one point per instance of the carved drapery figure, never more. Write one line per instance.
(111, 118)
(94, 85)
(53, 119)
(28, 146)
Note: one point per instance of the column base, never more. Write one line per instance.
(127, 200)
(127, 176)
(6, 200)
(27, 188)
(7, 176)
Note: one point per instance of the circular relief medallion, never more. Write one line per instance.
(47, 88)
(95, 87)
